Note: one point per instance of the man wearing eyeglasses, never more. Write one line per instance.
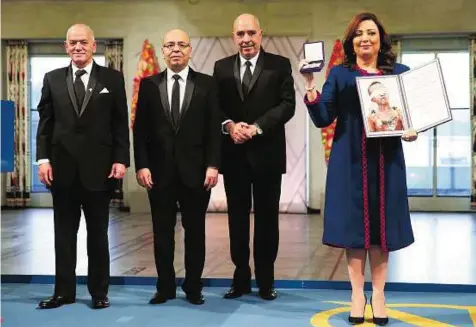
(257, 97)
(177, 139)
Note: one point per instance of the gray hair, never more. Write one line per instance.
(86, 27)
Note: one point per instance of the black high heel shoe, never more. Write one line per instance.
(379, 321)
(358, 320)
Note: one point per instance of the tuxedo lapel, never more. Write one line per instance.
(69, 84)
(164, 98)
(258, 69)
(236, 72)
(189, 88)
(90, 88)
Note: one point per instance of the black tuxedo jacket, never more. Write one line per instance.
(189, 148)
(86, 140)
(270, 103)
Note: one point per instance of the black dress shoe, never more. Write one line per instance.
(268, 294)
(195, 298)
(55, 302)
(101, 303)
(160, 298)
(358, 320)
(235, 292)
(379, 321)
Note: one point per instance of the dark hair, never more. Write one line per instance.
(386, 58)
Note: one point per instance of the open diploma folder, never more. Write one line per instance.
(314, 55)
(417, 100)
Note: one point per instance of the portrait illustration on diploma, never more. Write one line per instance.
(383, 106)
(416, 99)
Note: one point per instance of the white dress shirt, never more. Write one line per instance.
(182, 82)
(85, 79)
(243, 61)
(243, 65)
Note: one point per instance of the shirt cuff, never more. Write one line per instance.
(223, 129)
(42, 161)
(259, 131)
(316, 100)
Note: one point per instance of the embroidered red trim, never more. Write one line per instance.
(383, 234)
(365, 192)
(316, 100)
(365, 188)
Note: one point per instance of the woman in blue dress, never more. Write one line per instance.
(366, 207)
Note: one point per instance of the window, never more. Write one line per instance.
(39, 66)
(439, 162)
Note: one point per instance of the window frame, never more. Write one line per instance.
(437, 192)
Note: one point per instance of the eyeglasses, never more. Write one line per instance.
(181, 45)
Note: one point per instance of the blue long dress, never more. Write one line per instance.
(366, 192)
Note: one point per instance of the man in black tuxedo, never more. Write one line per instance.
(82, 147)
(177, 138)
(256, 92)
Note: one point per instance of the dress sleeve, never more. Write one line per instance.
(323, 110)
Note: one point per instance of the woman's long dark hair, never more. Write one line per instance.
(386, 58)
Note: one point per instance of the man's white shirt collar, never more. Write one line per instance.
(252, 60)
(88, 68)
(183, 73)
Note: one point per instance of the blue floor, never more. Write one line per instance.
(293, 308)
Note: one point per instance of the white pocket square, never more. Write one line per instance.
(104, 90)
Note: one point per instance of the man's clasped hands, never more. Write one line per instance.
(241, 132)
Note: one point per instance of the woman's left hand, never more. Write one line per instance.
(410, 135)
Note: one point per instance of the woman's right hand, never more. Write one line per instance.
(308, 77)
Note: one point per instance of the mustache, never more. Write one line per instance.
(247, 44)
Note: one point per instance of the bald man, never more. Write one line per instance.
(177, 138)
(82, 147)
(257, 98)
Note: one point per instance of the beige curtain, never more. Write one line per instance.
(114, 54)
(19, 181)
